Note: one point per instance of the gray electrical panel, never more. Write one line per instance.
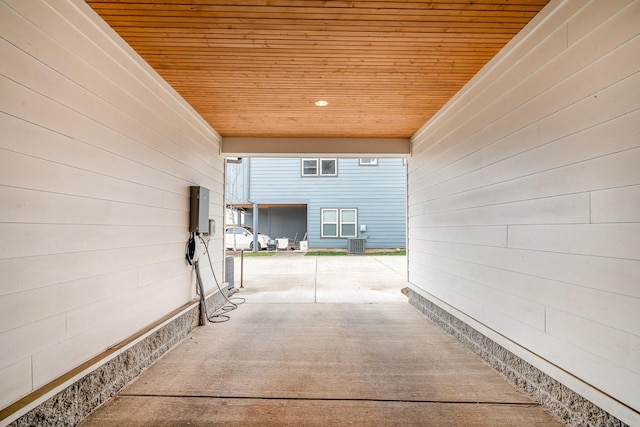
(199, 216)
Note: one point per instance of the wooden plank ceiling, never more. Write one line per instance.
(254, 68)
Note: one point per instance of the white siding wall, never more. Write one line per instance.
(96, 158)
(524, 200)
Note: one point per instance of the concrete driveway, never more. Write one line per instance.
(321, 341)
(291, 277)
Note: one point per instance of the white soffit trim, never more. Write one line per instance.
(338, 147)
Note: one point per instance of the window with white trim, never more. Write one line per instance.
(368, 161)
(329, 223)
(319, 167)
(309, 167)
(348, 222)
(328, 167)
(338, 222)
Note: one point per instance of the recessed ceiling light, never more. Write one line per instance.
(322, 103)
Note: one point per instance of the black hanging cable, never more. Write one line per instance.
(230, 301)
(230, 306)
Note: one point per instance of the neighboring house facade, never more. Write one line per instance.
(328, 200)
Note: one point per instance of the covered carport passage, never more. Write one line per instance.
(522, 194)
(321, 340)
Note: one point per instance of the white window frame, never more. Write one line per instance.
(322, 223)
(335, 172)
(339, 223)
(368, 161)
(318, 165)
(354, 222)
(302, 168)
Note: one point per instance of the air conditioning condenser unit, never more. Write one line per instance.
(356, 246)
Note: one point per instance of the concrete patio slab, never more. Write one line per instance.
(310, 363)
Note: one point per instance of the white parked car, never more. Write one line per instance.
(236, 238)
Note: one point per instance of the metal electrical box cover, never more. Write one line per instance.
(199, 216)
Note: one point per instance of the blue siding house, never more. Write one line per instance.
(328, 200)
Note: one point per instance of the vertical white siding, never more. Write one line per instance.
(97, 154)
(524, 200)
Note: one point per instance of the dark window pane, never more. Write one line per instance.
(328, 167)
(329, 230)
(348, 230)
